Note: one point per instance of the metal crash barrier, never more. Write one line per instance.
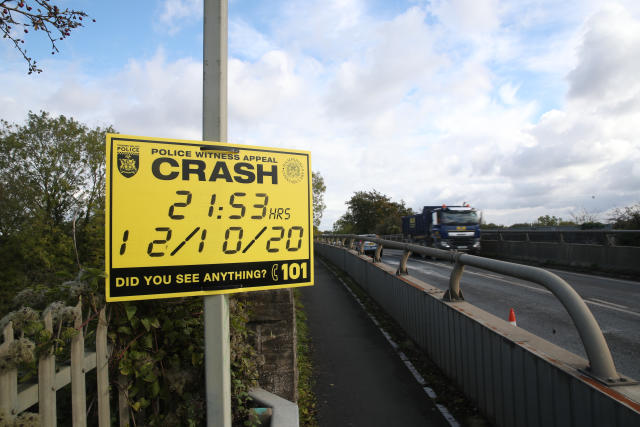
(513, 376)
(601, 365)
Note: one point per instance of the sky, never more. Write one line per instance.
(521, 108)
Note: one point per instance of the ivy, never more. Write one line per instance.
(244, 364)
(157, 346)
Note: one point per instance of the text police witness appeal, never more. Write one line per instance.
(164, 168)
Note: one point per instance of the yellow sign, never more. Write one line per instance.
(187, 218)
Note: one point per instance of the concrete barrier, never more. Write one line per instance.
(515, 377)
(617, 259)
(284, 413)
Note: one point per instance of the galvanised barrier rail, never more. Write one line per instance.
(601, 364)
(513, 376)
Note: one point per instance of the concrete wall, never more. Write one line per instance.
(515, 378)
(272, 321)
(618, 259)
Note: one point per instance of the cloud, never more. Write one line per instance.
(327, 28)
(399, 60)
(517, 107)
(507, 93)
(153, 97)
(161, 98)
(246, 42)
(174, 13)
(468, 17)
(582, 155)
(585, 148)
(395, 112)
(607, 74)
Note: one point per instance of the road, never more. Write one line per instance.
(614, 303)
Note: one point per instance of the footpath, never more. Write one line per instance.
(359, 378)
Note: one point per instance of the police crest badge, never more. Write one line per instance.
(293, 170)
(128, 160)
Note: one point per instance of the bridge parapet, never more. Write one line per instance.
(514, 376)
(614, 251)
(604, 237)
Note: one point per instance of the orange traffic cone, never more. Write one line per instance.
(512, 317)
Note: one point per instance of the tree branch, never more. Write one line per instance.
(18, 16)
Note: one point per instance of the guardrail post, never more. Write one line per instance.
(402, 268)
(378, 255)
(454, 293)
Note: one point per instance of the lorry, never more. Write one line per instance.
(444, 227)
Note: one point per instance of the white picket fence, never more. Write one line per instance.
(13, 402)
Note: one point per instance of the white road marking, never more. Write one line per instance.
(447, 416)
(609, 303)
(591, 276)
(610, 307)
(488, 276)
(506, 279)
(522, 285)
(432, 394)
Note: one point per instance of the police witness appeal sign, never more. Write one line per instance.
(197, 218)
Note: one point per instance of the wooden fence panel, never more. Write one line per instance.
(49, 381)
(102, 371)
(78, 386)
(46, 382)
(8, 380)
(123, 400)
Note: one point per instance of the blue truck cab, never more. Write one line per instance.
(444, 227)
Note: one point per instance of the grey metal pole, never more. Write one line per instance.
(214, 90)
(217, 353)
